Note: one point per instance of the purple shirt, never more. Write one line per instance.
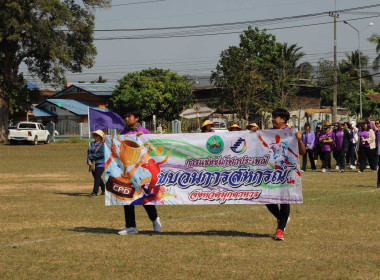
(364, 134)
(139, 129)
(339, 134)
(370, 124)
(326, 147)
(308, 139)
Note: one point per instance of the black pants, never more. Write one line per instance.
(129, 213)
(378, 173)
(364, 154)
(98, 181)
(341, 154)
(336, 156)
(311, 158)
(326, 159)
(281, 214)
(348, 154)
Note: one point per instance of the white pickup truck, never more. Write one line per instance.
(29, 131)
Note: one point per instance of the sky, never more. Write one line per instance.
(198, 55)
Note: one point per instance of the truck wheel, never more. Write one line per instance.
(35, 142)
(13, 142)
(47, 141)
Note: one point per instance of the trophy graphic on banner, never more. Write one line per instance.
(129, 154)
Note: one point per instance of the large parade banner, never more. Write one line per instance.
(203, 168)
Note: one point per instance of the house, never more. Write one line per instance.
(97, 95)
(68, 109)
(70, 116)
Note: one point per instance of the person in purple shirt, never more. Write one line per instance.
(279, 119)
(326, 139)
(342, 140)
(367, 119)
(367, 142)
(95, 161)
(377, 133)
(377, 124)
(317, 145)
(308, 139)
(133, 127)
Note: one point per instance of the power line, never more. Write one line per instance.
(236, 23)
(194, 34)
(137, 3)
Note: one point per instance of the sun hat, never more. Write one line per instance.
(208, 122)
(234, 126)
(98, 132)
(251, 125)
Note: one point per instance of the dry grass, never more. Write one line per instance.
(51, 230)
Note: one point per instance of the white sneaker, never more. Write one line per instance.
(337, 167)
(128, 230)
(157, 225)
(352, 167)
(323, 170)
(301, 171)
(368, 167)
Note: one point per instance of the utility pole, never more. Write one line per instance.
(335, 93)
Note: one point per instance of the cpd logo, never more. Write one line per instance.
(238, 145)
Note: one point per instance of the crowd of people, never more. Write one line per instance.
(351, 146)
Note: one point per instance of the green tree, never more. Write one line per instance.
(368, 106)
(287, 74)
(153, 91)
(348, 82)
(22, 97)
(49, 37)
(242, 72)
(259, 74)
(375, 39)
(306, 70)
(351, 65)
(100, 80)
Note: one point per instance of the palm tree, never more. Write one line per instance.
(291, 55)
(288, 72)
(375, 39)
(351, 64)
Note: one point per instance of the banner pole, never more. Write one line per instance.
(89, 130)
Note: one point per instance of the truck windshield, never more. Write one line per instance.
(27, 125)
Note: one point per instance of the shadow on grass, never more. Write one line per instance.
(94, 230)
(72, 194)
(374, 186)
(176, 233)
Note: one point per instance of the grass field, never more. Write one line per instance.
(51, 230)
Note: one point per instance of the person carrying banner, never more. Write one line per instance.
(133, 127)
(279, 119)
(95, 161)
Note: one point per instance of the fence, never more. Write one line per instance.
(67, 127)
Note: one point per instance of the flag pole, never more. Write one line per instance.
(89, 130)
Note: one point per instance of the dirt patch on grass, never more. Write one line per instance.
(57, 175)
